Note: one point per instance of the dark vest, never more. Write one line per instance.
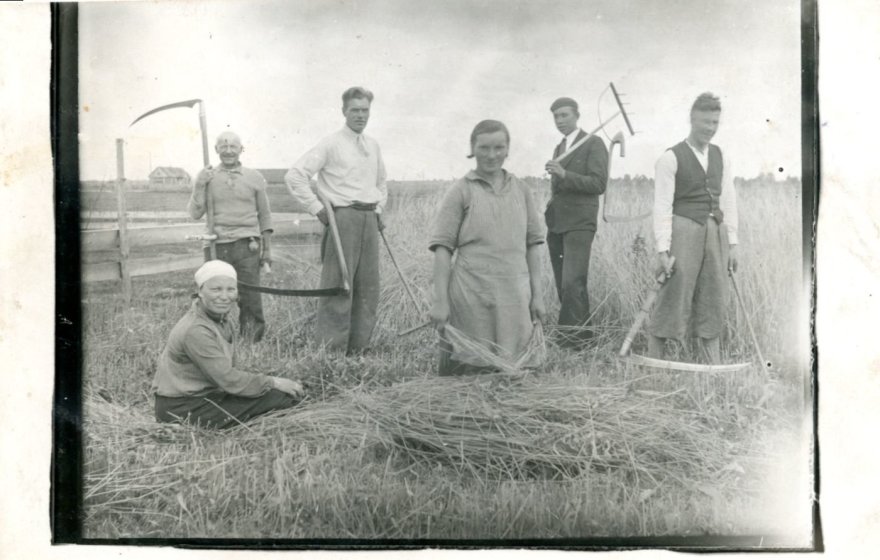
(697, 191)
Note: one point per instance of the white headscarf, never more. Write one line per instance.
(214, 268)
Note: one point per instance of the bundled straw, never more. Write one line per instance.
(486, 353)
(517, 425)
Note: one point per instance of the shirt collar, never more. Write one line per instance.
(570, 139)
(236, 169)
(696, 149)
(473, 176)
(350, 133)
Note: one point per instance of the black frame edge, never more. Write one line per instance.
(66, 467)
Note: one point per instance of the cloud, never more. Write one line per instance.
(274, 72)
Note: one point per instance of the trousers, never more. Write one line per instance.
(246, 263)
(346, 322)
(570, 259)
(219, 409)
(693, 299)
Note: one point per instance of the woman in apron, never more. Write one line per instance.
(487, 272)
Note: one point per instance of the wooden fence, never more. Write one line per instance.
(105, 256)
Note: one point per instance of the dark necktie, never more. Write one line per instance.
(563, 146)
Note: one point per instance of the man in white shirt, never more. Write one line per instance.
(351, 174)
(695, 220)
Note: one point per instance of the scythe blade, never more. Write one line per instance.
(635, 359)
(189, 104)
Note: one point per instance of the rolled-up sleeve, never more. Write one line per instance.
(727, 202)
(664, 195)
(297, 178)
(449, 218)
(205, 349)
(535, 232)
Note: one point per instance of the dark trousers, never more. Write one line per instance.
(570, 258)
(218, 409)
(346, 322)
(247, 266)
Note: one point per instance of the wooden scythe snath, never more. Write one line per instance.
(210, 236)
(344, 289)
(645, 361)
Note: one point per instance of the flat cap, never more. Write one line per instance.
(564, 102)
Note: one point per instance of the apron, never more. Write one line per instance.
(489, 290)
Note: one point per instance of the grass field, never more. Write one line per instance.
(735, 463)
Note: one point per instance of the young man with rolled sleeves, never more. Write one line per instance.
(695, 221)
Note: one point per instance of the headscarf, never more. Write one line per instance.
(214, 268)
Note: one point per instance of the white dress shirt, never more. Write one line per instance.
(570, 139)
(664, 194)
(349, 167)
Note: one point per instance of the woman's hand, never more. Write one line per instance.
(289, 386)
(537, 309)
(439, 314)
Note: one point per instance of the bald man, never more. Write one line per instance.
(242, 223)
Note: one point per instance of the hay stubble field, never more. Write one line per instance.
(587, 446)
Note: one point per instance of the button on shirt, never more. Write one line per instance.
(349, 168)
(664, 194)
(241, 206)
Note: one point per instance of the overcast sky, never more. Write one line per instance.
(274, 72)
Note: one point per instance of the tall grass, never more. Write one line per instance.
(319, 471)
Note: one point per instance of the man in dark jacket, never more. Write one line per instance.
(579, 173)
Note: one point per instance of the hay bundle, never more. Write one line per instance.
(518, 425)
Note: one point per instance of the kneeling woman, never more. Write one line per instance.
(196, 380)
(492, 293)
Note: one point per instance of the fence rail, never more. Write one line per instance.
(102, 255)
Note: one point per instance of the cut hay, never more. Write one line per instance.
(525, 426)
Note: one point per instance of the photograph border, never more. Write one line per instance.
(66, 468)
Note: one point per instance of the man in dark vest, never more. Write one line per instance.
(579, 173)
(695, 221)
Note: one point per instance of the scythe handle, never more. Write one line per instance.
(334, 231)
(644, 311)
(209, 195)
(745, 313)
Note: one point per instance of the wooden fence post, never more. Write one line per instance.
(122, 224)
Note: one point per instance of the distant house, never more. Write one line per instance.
(169, 178)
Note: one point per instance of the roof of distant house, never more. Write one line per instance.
(169, 172)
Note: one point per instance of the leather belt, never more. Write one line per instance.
(362, 206)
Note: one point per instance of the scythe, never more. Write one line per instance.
(211, 237)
